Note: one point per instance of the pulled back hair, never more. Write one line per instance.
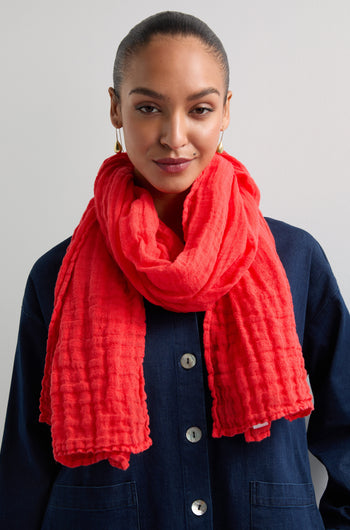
(167, 23)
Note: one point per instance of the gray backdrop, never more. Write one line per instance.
(289, 123)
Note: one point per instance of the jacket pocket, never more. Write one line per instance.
(92, 507)
(283, 507)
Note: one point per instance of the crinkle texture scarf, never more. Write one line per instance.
(93, 387)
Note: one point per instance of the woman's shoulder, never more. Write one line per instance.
(39, 294)
(285, 233)
(303, 258)
(50, 262)
(295, 244)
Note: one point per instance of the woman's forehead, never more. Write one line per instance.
(175, 60)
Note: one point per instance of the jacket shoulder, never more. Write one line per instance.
(299, 251)
(289, 235)
(39, 294)
(51, 260)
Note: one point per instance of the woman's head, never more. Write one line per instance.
(171, 99)
(168, 23)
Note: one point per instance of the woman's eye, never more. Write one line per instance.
(147, 109)
(202, 110)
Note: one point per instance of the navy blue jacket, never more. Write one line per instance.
(187, 479)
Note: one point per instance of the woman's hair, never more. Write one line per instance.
(167, 23)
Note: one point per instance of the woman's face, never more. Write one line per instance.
(172, 108)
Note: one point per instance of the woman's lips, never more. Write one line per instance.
(173, 165)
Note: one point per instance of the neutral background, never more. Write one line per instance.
(289, 123)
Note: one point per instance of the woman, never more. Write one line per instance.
(174, 381)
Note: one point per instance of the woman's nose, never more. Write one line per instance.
(174, 133)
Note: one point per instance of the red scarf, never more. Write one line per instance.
(93, 388)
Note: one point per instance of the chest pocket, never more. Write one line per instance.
(283, 507)
(92, 508)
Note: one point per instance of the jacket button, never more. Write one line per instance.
(199, 507)
(188, 361)
(193, 434)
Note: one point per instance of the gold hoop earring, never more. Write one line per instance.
(118, 147)
(220, 147)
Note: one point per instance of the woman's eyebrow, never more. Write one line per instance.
(146, 92)
(153, 94)
(203, 93)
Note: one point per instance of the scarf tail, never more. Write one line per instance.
(93, 393)
(259, 375)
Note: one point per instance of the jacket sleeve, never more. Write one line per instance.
(27, 467)
(327, 353)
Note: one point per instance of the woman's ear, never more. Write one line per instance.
(115, 112)
(226, 115)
